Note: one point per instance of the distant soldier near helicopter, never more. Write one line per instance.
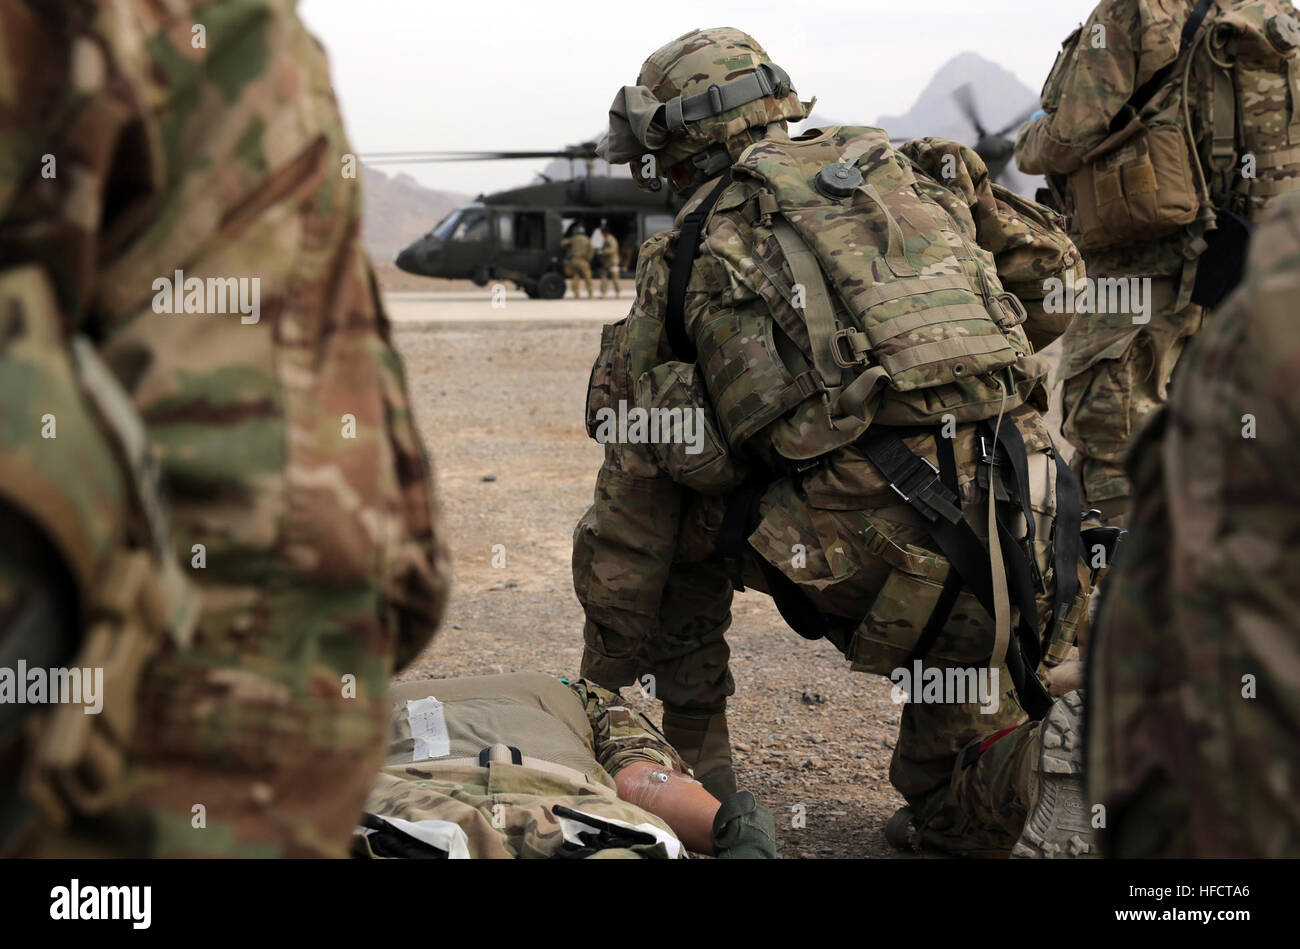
(609, 258)
(578, 254)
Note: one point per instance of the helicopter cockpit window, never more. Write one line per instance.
(471, 227)
(447, 225)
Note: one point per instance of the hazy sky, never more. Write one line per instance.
(528, 74)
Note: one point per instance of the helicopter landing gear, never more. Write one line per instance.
(481, 276)
(551, 286)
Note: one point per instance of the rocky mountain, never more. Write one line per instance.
(399, 209)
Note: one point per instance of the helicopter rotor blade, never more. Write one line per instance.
(584, 151)
(1020, 120)
(965, 100)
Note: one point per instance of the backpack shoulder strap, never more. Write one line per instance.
(1148, 89)
(688, 245)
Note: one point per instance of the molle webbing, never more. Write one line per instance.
(925, 321)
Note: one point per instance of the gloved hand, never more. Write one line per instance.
(744, 830)
(1036, 116)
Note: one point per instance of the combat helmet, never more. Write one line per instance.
(702, 99)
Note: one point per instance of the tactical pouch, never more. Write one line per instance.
(600, 384)
(887, 634)
(1138, 185)
(683, 431)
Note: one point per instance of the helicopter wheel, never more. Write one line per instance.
(551, 287)
(480, 276)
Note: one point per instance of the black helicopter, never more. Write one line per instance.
(515, 235)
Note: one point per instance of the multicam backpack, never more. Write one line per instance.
(895, 314)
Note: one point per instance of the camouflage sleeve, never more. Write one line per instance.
(622, 735)
(62, 490)
(1027, 240)
(1090, 85)
(624, 544)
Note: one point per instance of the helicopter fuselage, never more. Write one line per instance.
(515, 235)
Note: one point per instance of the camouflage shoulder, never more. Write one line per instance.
(652, 269)
(955, 166)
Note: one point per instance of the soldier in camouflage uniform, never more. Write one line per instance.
(578, 253)
(1196, 659)
(609, 258)
(1116, 367)
(670, 532)
(528, 766)
(151, 148)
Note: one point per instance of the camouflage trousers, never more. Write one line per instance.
(966, 775)
(579, 270)
(1116, 377)
(609, 278)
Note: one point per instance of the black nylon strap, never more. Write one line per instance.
(970, 559)
(1148, 89)
(952, 584)
(1067, 541)
(688, 245)
(911, 477)
(1013, 443)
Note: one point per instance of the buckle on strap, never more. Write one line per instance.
(850, 349)
(500, 753)
(922, 488)
(80, 759)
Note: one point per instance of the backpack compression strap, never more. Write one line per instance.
(917, 483)
(688, 245)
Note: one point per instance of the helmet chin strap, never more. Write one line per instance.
(716, 159)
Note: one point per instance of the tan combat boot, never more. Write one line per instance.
(1058, 825)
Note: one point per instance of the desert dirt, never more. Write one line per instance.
(499, 396)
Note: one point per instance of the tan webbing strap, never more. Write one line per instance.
(847, 410)
(1271, 187)
(942, 349)
(535, 764)
(897, 289)
(818, 311)
(1001, 594)
(896, 254)
(124, 423)
(1223, 153)
(1277, 159)
(931, 315)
